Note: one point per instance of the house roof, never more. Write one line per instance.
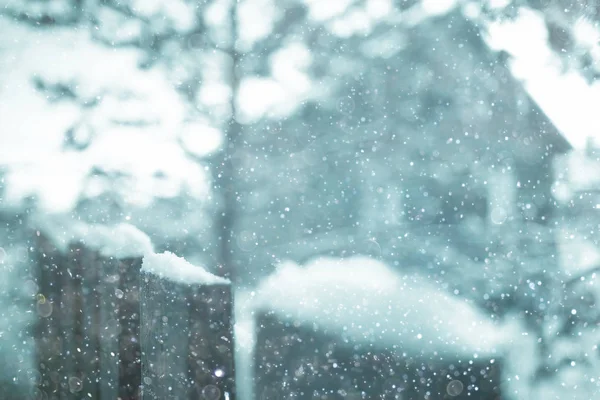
(466, 91)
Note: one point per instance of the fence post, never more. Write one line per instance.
(307, 360)
(109, 331)
(88, 331)
(186, 331)
(106, 333)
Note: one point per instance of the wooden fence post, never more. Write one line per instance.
(107, 330)
(88, 307)
(186, 331)
(308, 361)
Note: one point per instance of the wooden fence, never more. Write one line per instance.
(108, 331)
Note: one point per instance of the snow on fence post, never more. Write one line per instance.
(186, 331)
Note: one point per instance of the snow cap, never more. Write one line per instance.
(365, 301)
(176, 269)
(120, 241)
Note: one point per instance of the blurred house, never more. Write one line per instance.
(439, 153)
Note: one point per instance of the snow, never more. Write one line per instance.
(200, 139)
(250, 12)
(355, 22)
(36, 10)
(379, 8)
(365, 301)
(565, 97)
(421, 11)
(253, 106)
(118, 241)
(324, 10)
(281, 93)
(158, 168)
(216, 13)
(385, 45)
(438, 7)
(581, 172)
(577, 254)
(587, 34)
(169, 266)
(214, 94)
(289, 64)
(116, 27)
(179, 13)
(345, 18)
(130, 134)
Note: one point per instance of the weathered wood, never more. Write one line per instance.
(95, 312)
(164, 338)
(87, 345)
(210, 356)
(87, 333)
(108, 296)
(294, 361)
(129, 355)
(73, 323)
(48, 332)
(187, 340)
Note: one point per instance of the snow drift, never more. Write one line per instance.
(176, 269)
(367, 302)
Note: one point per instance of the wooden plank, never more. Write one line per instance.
(187, 340)
(129, 328)
(211, 352)
(48, 338)
(85, 383)
(87, 335)
(164, 338)
(108, 302)
(69, 312)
